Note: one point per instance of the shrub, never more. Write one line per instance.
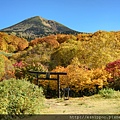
(12, 43)
(2, 66)
(63, 55)
(114, 69)
(80, 80)
(19, 97)
(22, 68)
(6, 68)
(109, 93)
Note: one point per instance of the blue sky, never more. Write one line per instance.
(80, 15)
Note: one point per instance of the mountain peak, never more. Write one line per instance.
(37, 27)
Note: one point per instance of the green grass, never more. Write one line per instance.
(109, 93)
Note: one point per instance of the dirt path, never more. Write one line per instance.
(84, 105)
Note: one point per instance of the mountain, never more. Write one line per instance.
(37, 27)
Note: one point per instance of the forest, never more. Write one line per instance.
(92, 61)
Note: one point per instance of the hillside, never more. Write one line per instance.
(93, 50)
(83, 56)
(37, 27)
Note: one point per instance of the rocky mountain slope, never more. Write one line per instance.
(37, 27)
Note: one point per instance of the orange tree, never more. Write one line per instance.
(12, 43)
(80, 79)
(6, 68)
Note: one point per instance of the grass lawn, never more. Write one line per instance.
(84, 105)
(107, 102)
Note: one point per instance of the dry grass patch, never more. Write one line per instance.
(84, 105)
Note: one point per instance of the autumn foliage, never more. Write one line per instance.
(11, 43)
(114, 69)
(82, 56)
(6, 68)
(80, 79)
(50, 40)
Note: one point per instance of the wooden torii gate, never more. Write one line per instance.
(49, 78)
